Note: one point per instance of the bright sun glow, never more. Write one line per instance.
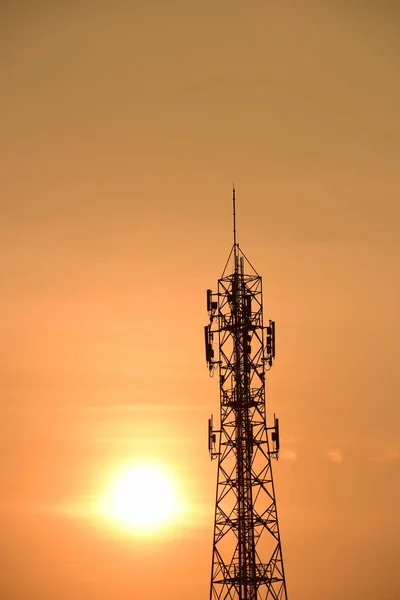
(141, 497)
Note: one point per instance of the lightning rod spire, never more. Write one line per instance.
(234, 215)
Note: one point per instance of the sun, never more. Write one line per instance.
(141, 497)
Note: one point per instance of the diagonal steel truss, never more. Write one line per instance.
(247, 558)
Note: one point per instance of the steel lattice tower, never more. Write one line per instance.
(247, 557)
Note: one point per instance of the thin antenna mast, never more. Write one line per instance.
(235, 246)
(234, 214)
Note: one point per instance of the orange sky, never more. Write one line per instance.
(123, 126)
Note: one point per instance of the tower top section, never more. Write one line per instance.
(236, 255)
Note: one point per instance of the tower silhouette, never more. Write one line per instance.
(246, 556)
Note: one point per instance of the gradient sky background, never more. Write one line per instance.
(123, 125)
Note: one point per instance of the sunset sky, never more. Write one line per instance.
(123, 125)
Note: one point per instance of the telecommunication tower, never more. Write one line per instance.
(247, 556)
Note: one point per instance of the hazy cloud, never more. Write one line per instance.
(388, 456)
(290, 440)
(289, 455)
(335, 455)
